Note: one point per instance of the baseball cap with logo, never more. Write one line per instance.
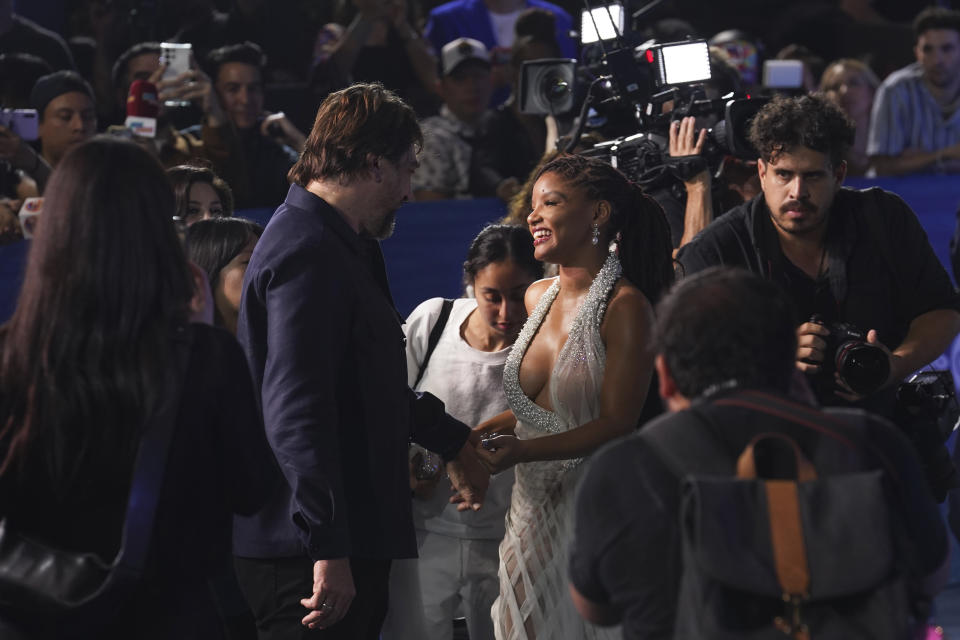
(461, 50)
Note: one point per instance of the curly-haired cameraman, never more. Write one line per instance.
(856, 257)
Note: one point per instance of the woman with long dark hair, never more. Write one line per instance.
(83, 365)
(222, 248)
(577, 376)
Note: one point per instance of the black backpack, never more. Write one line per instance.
(802, 558)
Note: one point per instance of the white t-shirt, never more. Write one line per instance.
(470, 383)
(503, 27)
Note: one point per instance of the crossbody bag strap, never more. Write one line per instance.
(151, 462)
(434, 338)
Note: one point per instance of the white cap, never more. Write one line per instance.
(459, 51)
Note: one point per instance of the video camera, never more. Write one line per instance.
(632, 92)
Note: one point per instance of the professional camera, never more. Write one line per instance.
(629, 92)
(927, 412)
(862, 366)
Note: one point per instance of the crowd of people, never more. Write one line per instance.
(509, 459)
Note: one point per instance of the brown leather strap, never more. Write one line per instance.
(786, 537)
(786, 531)
(747, 466)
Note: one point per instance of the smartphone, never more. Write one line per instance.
(783, 74)
(176, 57)
(22, 122)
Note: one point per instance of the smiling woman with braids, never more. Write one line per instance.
(577, 377)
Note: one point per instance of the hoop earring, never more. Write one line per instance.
(596, 235)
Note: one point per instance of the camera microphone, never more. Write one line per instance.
(142, 109)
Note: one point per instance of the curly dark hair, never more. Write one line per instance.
(809, 121)
(646, 250)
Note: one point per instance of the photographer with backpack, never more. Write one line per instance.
(744, 512)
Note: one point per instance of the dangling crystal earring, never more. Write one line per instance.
(596, 235)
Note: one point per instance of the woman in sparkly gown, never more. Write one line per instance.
(577, 377)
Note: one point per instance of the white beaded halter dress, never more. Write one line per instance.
(534, 599)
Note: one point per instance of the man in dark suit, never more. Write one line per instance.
(326, 348)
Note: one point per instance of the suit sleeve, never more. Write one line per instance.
(305, 346)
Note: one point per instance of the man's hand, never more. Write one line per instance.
(470, 480)
(333, 591)
(811, 346)
(684, 141)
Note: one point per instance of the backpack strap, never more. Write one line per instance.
(434, 338)
(691, 445)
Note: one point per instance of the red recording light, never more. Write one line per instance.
(650, 56)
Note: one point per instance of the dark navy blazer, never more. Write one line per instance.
(326, 349)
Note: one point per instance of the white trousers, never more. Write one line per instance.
(452, 577)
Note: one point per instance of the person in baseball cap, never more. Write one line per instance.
(451, 137)
(457, 52)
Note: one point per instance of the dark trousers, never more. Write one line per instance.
(273, 588)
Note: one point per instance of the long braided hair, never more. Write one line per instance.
(644, 244)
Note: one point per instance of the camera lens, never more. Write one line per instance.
(862, 366)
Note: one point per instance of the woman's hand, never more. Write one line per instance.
(500, 452)
(502, 423)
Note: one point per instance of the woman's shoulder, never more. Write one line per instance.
(629, 305)
(536, 290)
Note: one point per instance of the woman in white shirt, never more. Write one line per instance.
(456, 573)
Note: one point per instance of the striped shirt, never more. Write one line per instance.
(906, 116)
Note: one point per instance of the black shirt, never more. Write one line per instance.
(881, 272)
(626, 543)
